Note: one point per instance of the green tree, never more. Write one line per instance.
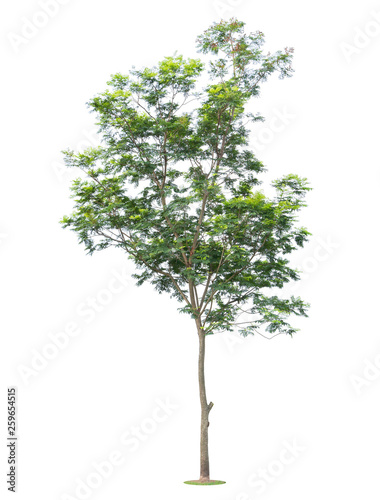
(174, 185)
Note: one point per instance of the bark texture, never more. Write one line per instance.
(205, 410)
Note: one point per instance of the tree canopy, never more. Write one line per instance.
(175, 185)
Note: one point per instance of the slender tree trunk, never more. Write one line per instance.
(205, 409)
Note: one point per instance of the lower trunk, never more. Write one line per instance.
(205, 409)
(205, 465)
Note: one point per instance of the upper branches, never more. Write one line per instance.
(173, 183)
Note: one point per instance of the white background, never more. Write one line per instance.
(317, 390)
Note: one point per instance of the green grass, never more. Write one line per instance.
(209, 483)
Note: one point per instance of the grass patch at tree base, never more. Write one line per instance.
(203, 483)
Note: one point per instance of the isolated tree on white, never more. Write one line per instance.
(174, 186)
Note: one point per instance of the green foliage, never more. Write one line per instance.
(173, 185)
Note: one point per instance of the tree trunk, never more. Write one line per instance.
(205, 409)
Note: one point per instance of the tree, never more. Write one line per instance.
(174, 185)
